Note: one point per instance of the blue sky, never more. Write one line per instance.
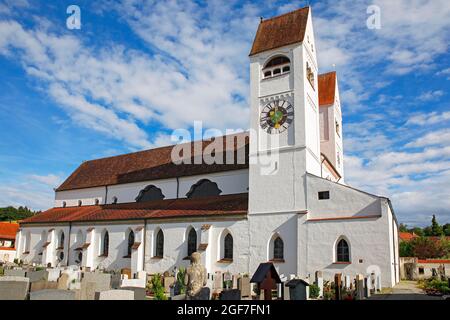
(136, 70)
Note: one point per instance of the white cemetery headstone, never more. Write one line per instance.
(14, 288)
(52, 294)
(115, 295)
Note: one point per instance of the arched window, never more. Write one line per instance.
(278, 249)
(228, 247)
(277, 66)
(192, 242)
(114, 200)
(96, 202)
(159, 250)
(204, 188)
(61, 240)
(105, 247)
(64, 204)
(130, 243)
(150, 193)
(80, 203)
(342, 251)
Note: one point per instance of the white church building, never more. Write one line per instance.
(146, 212)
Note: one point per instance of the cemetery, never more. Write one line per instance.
(19, 281)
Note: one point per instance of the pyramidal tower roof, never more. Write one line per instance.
(281, 31)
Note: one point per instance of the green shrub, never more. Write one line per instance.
(314, 291)
(180, 280)
(2, 271)
(158, 288)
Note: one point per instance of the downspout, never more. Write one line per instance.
(68, 246)
(106, 194)
(178, 187)
(145, 241)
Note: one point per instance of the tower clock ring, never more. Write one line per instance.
(276, 116)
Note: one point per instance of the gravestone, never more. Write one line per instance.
(218, 284)
(115, 295)
(235, 278)
(141, 283)
(298, 289)
(359, 287)
(203, 294)
(367, 289)
(116, 280)
(139, 293)
(338, 286)
(319, 282)
(286, 293)
(52, 294)
(14, 288)
(168, 281)
(63, 281)
(38, 285)
(372, 282)
(15, 272)
(244, 286)
(54, 274)
(94, 282)
(230, 294)
(347, 282)
(141, 275)
(35, 276)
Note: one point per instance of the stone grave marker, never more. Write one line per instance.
(367, 289)
(359, 287)
(230, 294)
(37, 275)
(63, 281)
(338, 286)
(235, 278)
(319, 282)
(227, 280)
(347, 282)
(94, 282)
(15, 272)
(168, 281)
(126, 271)
(115, 295)
(298, 289)
(54, 274)
(116, 280)
(141, 283)
(14, 288)
(139, 293)
(244, 286)
(52, 294)
(218, 283)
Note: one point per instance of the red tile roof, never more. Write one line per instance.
(327, 88)
(434, 261)
(280, 31)
(150, 165)
(407, 236)
(8, 230)
(159, 209)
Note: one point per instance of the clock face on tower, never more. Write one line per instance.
(276, 116)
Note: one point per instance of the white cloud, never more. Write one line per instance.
(430, 95)
(50, 180)
(428, 118)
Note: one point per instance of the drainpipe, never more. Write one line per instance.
(178, 187)
(145, 241)
(106, 194)
(68, 246)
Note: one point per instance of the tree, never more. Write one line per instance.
(405, 249)
(436, 229)
(13, 214)
(403, 228)
(425, 248)
(446, 229)
(418, 231)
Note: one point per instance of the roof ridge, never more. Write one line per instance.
(285, 14)
(163, 147)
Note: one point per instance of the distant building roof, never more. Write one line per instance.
(407, 236)
(8, 230)
(327, 88)
(280, 31)
(232, 204)
(152, 164)
(439, 261)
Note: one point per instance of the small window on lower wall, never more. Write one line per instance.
(324, 195)
(421, 271)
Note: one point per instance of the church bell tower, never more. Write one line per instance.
(284, 135)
